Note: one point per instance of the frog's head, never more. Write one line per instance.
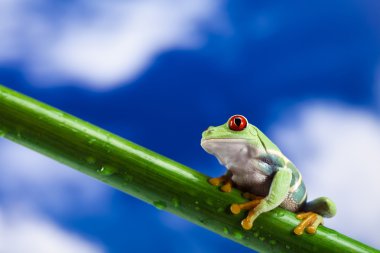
(231, 140)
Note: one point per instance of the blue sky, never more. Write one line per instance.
(160, 72)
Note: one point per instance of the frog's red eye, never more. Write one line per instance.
(237, 123)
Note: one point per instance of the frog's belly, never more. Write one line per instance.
(255, 183)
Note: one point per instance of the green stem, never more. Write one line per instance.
(153, 178)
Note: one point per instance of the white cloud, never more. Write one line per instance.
(337, 150)
(102, 43)
(33, 181)
(20, 233)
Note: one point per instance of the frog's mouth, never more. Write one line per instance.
(211, 144)
(228, 151)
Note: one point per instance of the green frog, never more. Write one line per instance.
(256, 166)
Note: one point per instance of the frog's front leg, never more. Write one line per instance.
(225, 180)
(277, 193)
(250, 205)
(254, 201)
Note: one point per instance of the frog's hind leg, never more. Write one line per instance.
(322, 206)
(312, 217)
(310, 222)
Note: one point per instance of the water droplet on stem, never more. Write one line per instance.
(160, 204)
(107, 170)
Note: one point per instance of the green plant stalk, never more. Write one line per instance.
(154, 179)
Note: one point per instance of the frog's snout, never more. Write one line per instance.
(208, 131)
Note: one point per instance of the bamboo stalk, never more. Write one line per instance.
(153, 178)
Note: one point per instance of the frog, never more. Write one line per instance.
(267, 178)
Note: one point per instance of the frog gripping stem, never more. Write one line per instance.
(225, 180)
(310, 222)
(154, 178)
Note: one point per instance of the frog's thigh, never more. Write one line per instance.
(290, 204)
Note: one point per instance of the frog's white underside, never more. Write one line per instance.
(239, 157)
(230, 152)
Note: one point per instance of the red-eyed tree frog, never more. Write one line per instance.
(269, 179)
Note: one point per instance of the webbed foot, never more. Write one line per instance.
(310, 222)
(250, 205)
(226, 181)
